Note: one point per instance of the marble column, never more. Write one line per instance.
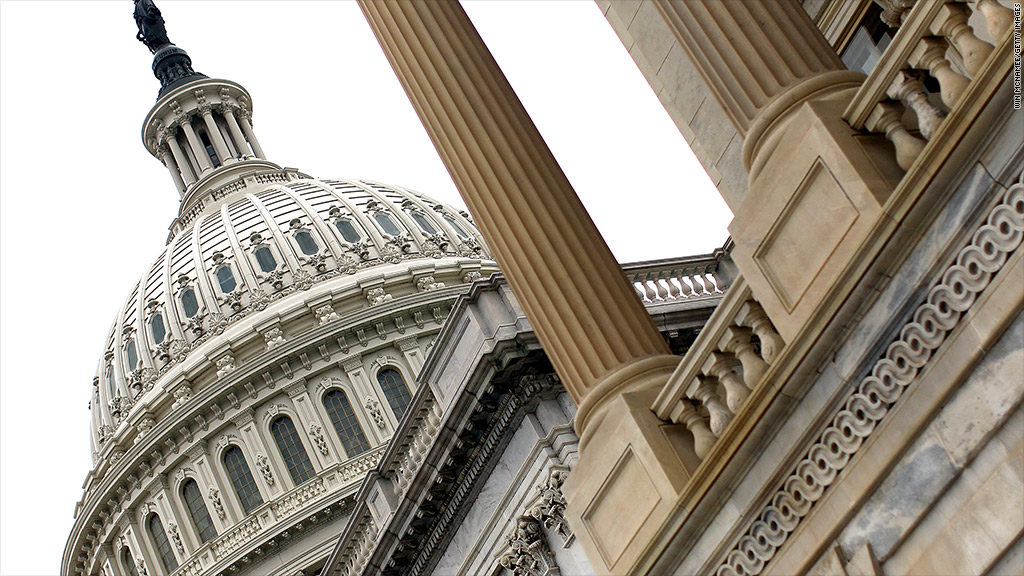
(179, 156)
(197, 147)
(250, 135)
(172, 166)
(236, 131)
(587, 316)
(215, 136)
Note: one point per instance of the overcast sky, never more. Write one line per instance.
(84, 209)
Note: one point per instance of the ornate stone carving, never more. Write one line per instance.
(144, 426)
(264, 466)
(471, 276)
(182, 395)
(550, 510)
(317, 434)
(302, 280)
(377, 296)
(317, 261)
(225, 365)
(274, 338)
(528, 553)
(427, 283)
(140, 564)
(275, 278)
(893, 11)
(373, 407)
(347, 264)
(175, 537)
(106, 432)
(259, 300)
(869, 402)
(391, 253)
(326, 314)
(234, 300)
(119, 407)
(218, 506)
(218, 322)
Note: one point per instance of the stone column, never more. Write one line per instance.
(215, 136)
(309, 425)
(197, 147)
(172, 166)
(179, 156)
(236, 131)
(257, 447)
(410, 348)
(247, 129)
(587, 316)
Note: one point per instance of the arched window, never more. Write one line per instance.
(156, 328)
(111, 384)
(129, 563)
(163, 546)
(197, 510)
(306, 243)
(394, 390)
(189, 304)
(458, 229)
(265, 259)
(226, 279)
(291, 448)
(423, 223)
(387, 224)
(131, 356)
(347, 230)
(241, 479)
(345, 424)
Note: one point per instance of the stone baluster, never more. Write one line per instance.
(951, 22)
(754, 317)
(721, 366)
(703, 438)
(909, 90)
(660, 288)
(930, 54)
(998, 18)
(674, 291)
(707, 395)
(736, 341)
(887, 117)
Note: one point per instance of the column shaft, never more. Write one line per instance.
(585, 313)
(247, 128)
(172, 167)
(236, 133)
(217, 138)
(749, 52)
(179, 156)
(197, 147)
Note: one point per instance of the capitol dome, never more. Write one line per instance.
(261, 364)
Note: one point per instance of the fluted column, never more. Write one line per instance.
(216, 138)
(179, 156)
(172, 166)
(587, 316)
(197, 147)
(250, 135)
(236, 131)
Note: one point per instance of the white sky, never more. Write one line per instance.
(84, 208)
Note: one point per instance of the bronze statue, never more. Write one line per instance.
(151, 25)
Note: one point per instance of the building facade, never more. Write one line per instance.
(332, 377)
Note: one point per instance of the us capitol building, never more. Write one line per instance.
(344, 377)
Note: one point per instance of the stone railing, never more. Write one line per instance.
(934, 40)
(676, 279)
(726, 362)
(358, 467)
(294, 500)
(236, 537)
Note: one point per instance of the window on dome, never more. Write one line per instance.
(265, 259)
(129, 563)
(306, 243)
(292, 451)
(131, 356)
(458, 229)
(395, 391)
(189, 304)
(241, 479)
(163, 546)
(347, 230)
(423, 223)
(111, 384)
(226, 279)
(193, 498)
(387, 224)
(345, 423)
(156, 327)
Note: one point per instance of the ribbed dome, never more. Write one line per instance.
(283, 240)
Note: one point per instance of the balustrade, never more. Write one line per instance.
(936, 40)
(727, 362)
(676, 279)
